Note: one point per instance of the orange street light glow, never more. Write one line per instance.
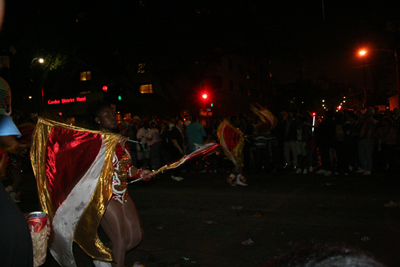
(362, 52)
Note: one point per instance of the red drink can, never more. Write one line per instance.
(37, 220)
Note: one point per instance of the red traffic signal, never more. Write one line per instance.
(105, 88)
(204, 96)
(314, 114)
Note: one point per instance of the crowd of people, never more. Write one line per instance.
(343, 142)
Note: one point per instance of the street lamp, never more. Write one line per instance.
(395, 53)
(41, 61)
(362, 54)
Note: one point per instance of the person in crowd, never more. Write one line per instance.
(366, 141)
(177, 148)
(262, 138)
(131, 134)
(325, 138)
(120, 221)
(304, 136)
(154, 143)
(196, 135)
(165, 143)
(213, 158)
(16, 248)
(351, 139)
(143, 155)
(289, 144)
(15, 242)
(187, 120)
(396, 118)
(122, 127)
(341, 136)
(387, 143)
(278, 132)
(213, 128)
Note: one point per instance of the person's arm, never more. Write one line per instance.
(175, 143)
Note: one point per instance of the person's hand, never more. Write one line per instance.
(147, 174)
(123, 140)
(48, 227)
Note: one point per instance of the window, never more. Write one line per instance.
(231, 85)
(146, 89)
(86, 76)
(141, 67)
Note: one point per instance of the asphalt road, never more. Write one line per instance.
(203, 221)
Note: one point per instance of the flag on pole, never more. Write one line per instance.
(267, 122)
(232, 142)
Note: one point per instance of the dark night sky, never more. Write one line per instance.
(293, 33)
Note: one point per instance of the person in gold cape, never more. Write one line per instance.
(120, 221)
(232, 143)
(82, 183)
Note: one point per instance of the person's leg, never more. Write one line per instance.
(340, 158)
(325, 158)
(264, 158)
(134, 232)
(240, 179)
(362, 153)
(286, 152)
(114, 225)
(293, 149)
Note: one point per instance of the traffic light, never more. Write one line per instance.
(204, 96)
(119, 97)
(212, 104)
(105, 88)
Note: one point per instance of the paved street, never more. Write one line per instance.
(202, 221)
